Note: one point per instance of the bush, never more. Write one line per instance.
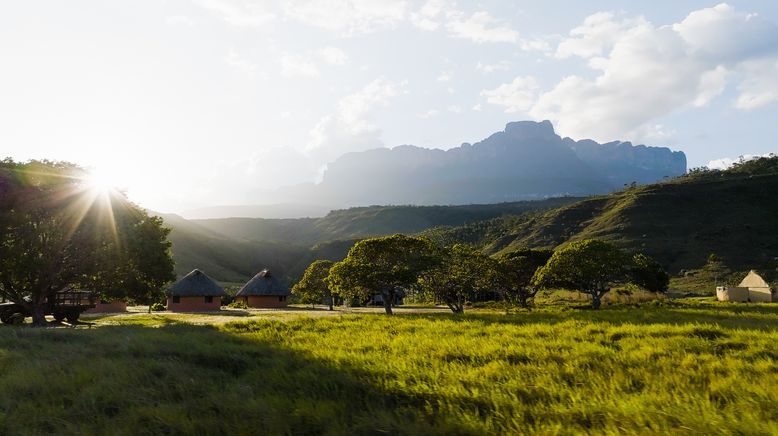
(238, 305)
(158, 307)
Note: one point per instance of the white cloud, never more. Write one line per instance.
(760, 86)
(239, 12)
(295, 65)
(181, 20)
(333, 55)
(537, 44)
(517, 96)
(726, 162)
(349, 128)
(491, 68)
(645, 72)
(445, 76)
(239, 62)
(598, 33)
(724, 34)
(479, 27)
(426, 18)
(348, 17)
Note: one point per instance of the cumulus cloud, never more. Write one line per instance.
(491, 68)
(349, 128)
(239, 62)
(760, 86)
(517, 96)
(644, 71)
(333, 55)
(445, 76)
(295, 65)
(726, 162)
(348, 17)
(426, 18)
(239, 12)
(479, 27)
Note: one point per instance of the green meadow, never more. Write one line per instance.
(693, 366)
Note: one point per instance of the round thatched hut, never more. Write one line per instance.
(263, 291)
(195, 292)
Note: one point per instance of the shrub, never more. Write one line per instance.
(158, 307)
(238, 305)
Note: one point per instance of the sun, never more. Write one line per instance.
(101, 181)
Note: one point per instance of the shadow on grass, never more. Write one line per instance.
(184, 379)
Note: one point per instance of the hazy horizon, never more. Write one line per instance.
(190, 104)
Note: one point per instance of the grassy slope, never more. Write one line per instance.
(698, 368)
(679, 222)
(361, 222)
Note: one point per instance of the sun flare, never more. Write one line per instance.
(100, 181)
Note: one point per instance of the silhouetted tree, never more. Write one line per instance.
(56, 232)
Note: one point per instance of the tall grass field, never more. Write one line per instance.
(688, 367)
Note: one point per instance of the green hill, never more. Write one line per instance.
(362, 222)
(680, 222)
(232, 250)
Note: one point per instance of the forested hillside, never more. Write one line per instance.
(233, 249)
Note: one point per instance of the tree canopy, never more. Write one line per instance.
(457, 275)
(514, 272)
(312, 287)
(381, 266)
(589, 266)
(56, 232)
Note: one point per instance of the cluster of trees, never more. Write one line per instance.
(57, 232)
(457, 274)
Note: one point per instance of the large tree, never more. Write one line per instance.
(458, 275)
(589, 266)
(514, 272)
(312, 288)
(381, 266)
(649, 274)
(56, 231)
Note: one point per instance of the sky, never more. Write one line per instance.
(192, 103)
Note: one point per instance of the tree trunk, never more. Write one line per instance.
(388, 297)
(39, 315)
(332, 302)
(596, 300)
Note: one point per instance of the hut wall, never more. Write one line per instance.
(193, 304)
(265, 301)
(115, 306)
(732, 293)
(760, 295)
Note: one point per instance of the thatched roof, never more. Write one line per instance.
(754, 280)
(195, 284)
(263, 283)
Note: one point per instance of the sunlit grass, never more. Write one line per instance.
(664, 367)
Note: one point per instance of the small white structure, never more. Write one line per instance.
(752, 289)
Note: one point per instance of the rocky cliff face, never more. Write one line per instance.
(527, 160)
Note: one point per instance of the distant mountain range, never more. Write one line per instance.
(526, 161)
